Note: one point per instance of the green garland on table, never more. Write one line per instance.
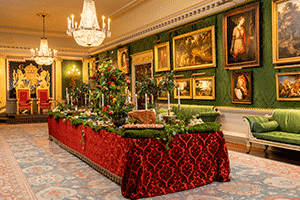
(205, 127)
(167, 134)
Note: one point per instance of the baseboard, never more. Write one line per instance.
(239, 138)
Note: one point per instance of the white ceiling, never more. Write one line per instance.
(22, 14)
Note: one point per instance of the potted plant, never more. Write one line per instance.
(108, 90)
(154, 88)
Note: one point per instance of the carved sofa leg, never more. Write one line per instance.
(249, 146)
(266, 148)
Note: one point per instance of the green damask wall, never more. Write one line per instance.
(67, 65)
(263, 77)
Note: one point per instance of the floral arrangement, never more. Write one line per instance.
(109, 92)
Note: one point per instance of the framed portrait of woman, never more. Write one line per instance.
(241, 37)
(185, 88)
(123, 59)
(194, 50)
(285, 31)
(204, 88)
(241, 87)
(288, 86)
(162, 57)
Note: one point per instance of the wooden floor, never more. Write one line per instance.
(283, 155)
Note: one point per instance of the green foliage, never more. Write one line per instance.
(62, 106)
(113, 84)
(75, 121)
(183, 115)
(205, 127)
(152, 87)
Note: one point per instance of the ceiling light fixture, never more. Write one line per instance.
(44, 56)
(88, 33)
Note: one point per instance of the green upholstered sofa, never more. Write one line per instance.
(206, 113)
(282, 129)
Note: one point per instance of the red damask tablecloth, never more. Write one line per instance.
(145, 167)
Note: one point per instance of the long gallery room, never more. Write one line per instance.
(150, 99)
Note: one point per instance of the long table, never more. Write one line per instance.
(142, 166)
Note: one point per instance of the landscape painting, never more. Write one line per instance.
(286, 31)
(288, 86)
(194, 50)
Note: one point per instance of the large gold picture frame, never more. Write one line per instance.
(123, 59)
(185, 88)
(288, 86)
(162, 57)
(285, 31)
(241, 37)
(194, 50)
(204, 88)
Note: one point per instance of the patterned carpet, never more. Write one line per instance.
(32, 167)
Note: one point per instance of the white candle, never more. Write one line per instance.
(136, 102)
(178, 97)
(85, 99)
(67, 95)
(103, 24)
(102, 100)
(68, 101)
(168, 101)
(108, 25)
(72, 16)
(71, 101)
(146, 102)
(69, 23)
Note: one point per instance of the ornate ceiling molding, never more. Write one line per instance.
(198, 11)
(22, 51)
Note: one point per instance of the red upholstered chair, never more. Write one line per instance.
(24, 102)
(43, 100)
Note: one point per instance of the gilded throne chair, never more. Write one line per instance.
(43, 100)
(24, 102)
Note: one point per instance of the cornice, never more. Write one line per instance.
(195, 12)
(31, 31)
(24, 51)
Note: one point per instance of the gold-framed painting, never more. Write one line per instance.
(185, 88)
(194, 50)
(123, 59)
(288, 86)
(241, 37)
(241, 87)
(285, 31)
(162, 57)
(204, 88)
(162, 95)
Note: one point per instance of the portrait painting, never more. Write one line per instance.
(288, 86)
(286, 31)
(162, 95)
(204, 88)
(241, 87)
(28, 74)
(162, 57)
(185, 88)
(194, 50)
(241, 37)
(123, 59)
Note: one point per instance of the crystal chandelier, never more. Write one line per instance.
(44, 56)
(88, 33)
